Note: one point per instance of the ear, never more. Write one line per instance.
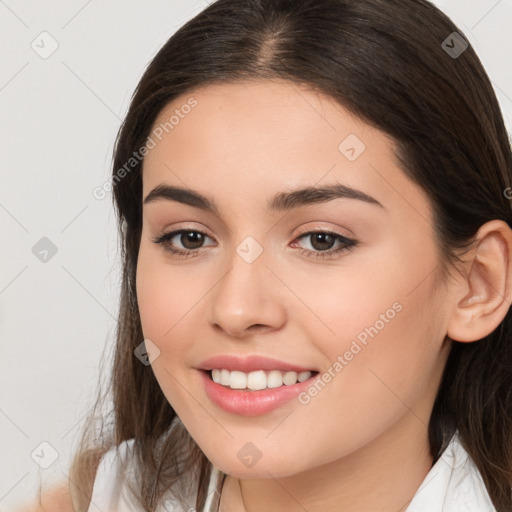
(484, 297)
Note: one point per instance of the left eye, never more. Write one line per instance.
(320, 239)
(192, 240)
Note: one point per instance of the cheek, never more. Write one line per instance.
(338, 303)
(166, 297)
(378, 327)
(165, 294)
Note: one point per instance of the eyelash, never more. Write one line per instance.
(347, 244)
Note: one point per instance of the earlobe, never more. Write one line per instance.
(485, 294)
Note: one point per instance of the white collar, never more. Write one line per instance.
(454, 484)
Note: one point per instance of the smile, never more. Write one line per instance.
(257, 380)
(243, 401)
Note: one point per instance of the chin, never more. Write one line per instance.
(271, 467)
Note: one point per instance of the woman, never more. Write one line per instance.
(316, 274)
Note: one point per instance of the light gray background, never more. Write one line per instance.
(58, 120)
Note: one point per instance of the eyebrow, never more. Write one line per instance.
(282, 201)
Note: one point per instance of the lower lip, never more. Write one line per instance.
(251, 403)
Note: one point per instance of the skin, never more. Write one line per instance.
(55, 500)
(362, 441)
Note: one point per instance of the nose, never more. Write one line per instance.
(247, 299)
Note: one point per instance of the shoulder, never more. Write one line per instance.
(107, 484)
(115, 467)
(56, 500)
(110, 492)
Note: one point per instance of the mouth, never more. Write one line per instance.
(257, 380)
(257, 392)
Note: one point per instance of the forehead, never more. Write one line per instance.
(279, 113)
(267, 136)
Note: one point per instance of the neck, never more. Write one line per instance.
(382, 475)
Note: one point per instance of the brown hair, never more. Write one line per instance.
(386, 62)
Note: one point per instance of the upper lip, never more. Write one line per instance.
(249, 364)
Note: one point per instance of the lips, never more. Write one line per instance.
(245, 402)
(250, 364)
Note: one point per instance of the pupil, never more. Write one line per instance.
(325, 239)
(196, 239)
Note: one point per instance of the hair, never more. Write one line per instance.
(384, 61)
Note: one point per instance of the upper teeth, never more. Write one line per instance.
(258, 379)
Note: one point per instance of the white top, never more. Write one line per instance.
(454, 484)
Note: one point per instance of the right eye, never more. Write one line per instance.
(190, 239)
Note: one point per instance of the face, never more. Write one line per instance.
(340, 284)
